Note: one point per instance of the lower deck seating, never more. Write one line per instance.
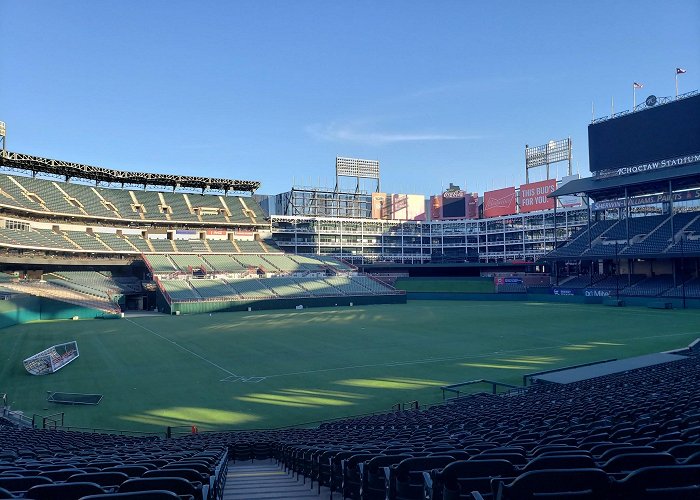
(634, 434)
(253, 288)
(41, 464)
(625, 435)
(72, 294)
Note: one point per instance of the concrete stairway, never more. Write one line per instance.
(263, 479)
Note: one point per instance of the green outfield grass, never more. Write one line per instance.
(463, 285)
(317, 363)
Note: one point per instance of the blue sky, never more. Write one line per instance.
(437, 91)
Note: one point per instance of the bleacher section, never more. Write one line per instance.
(81, 200)
(57, 464)
(179, 290)
(247, 246)
(188, 262)
(224, 264)
(161, 264)
(628, 435)
(68, 291)
(652, 286)
(274, 287)
(210, 289)
(241, 265)
(616, 282)
(649, 236)
(250, 289)
(690, 288)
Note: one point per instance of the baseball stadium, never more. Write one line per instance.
(170, 336)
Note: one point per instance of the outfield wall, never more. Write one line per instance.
(24, 308)
(266, 304)
(676, 302)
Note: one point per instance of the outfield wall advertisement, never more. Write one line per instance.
(499, 202)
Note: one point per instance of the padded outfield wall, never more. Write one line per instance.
(26, 308)
(199, 307)
(546, 295)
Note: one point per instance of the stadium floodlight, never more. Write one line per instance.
(552, 152)
(52, 359)
(357, 168)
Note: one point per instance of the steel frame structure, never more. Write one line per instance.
(357, 169)
(552, 152)
(68, 170)
(650, 102)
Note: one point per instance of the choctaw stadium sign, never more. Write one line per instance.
(653, 165)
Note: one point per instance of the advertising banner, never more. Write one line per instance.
(415, 208)
(435, 207)
(472, 206)
(533, 196)
(499, 202)
(380, 202)
(693, 194)
(503, 280)
(453, 204)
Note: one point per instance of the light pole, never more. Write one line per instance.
(683, 268)
(617, 274)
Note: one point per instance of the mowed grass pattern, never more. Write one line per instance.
(316, 363)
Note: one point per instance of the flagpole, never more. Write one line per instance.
(634, 97)
(612, 105)
(676, 83)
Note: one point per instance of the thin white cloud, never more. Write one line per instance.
(349, 133)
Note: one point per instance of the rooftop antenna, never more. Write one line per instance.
(2, 138)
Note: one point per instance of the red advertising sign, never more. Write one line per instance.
(472, 206)
(499, 202)
(533, 196)
(217, 232)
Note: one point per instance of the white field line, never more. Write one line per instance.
(190, 351)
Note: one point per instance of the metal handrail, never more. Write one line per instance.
(494, 386)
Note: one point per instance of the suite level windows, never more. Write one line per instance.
(17, 225)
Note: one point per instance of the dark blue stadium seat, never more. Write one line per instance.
(559, 484)
(664, 482)
(63, 491)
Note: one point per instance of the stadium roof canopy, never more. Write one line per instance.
(650, 182)
(68, 170)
